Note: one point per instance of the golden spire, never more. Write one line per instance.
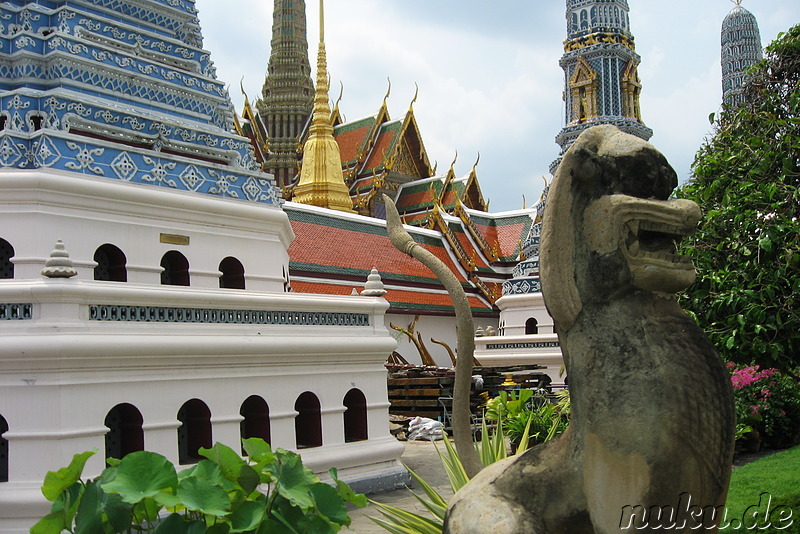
(321, 180)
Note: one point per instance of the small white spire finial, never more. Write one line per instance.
(59, 264)
(374, 286)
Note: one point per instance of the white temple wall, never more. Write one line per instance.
(64, 370)
(71, 349)
(86, 212)
(516, 310)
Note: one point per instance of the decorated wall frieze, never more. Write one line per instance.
(106, 312)
(62, 113)
(79, 154)
(522, 286)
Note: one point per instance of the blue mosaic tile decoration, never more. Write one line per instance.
(741, 48)
(121, 90)
(158, 314)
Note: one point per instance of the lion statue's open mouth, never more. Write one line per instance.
(647, 233)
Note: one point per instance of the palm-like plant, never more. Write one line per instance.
(490, 450)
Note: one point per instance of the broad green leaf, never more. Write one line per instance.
(203, 496)
(67, 503)
(248, 516)
(288, 515)
(57, 481)
(173, 524)
(52, 523)
(258, 450)
(329, 503)
(345, 491)
(249, 479)
(117, 511)
(167, 499)
(148, 509)
(142, 474)
(293, 480)
(208, 470)
(89, 519)
(226, 458)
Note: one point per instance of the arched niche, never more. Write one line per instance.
(194, 432)
(308, 421)
(355, 416)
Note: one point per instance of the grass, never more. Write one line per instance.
(779, 476)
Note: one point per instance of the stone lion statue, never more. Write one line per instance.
(650, 442)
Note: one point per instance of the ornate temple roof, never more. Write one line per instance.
(121, 90)
(333, 252)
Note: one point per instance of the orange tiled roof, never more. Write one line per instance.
(399, 299)
(505, 232)
(418, 195)
(384, 145)
(342, 246)
(353, 139)
(460, 234)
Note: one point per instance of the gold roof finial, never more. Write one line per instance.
(388, 90)
(452, 165)
(737, 2)
(321, 180)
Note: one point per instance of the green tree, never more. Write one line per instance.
(747, 249)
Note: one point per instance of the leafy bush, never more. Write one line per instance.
(747, 182)
(144, 493)
(527, 413)
(768, 401)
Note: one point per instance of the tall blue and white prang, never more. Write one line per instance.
(145, 298)
(600, 65)
(741, 48)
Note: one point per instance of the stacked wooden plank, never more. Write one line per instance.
(417, 391)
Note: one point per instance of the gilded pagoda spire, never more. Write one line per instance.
(321, 180)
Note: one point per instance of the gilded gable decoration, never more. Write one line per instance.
(583, 92)
(631, 89)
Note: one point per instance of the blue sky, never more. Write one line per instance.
(488, 72)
